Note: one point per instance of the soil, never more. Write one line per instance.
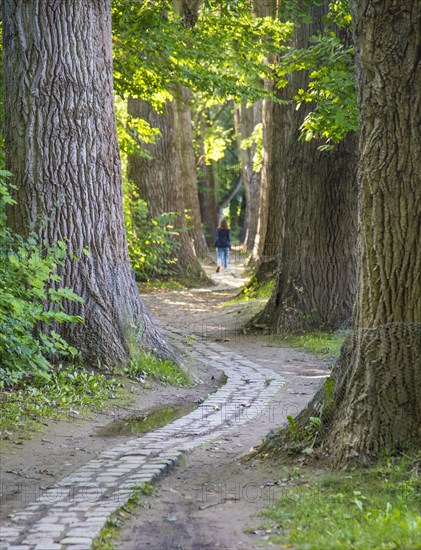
(212, 498)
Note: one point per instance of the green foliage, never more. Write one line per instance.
(222, 56)
(340, 13)
(31, 302)
(216, 140)
(151, 241)
(145, 364)
(133, 132)
(368, 509)
(331, 89)
(68, 390)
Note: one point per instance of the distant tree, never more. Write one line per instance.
(311, 211)
(247, 125)
(167, 178)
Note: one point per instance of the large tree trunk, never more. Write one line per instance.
(316, 193)
(375, 408)
(380, 410)
(61, 146)
(159, 179)
(246, 119)
(315, 284)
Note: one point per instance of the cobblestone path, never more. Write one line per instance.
(71, 514)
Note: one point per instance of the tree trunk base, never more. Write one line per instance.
(369, 407)
(116, 322)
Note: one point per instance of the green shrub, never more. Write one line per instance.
(151, 242)
(28, 282)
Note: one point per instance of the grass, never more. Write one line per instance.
(378, 508)
(252, 291)
(112, 529)
(74, 389)
(166, 372)
(70, 390)
(323, 344)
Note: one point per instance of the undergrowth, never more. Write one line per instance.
(144, 365)
(31, 301)
(323, 344)
(69, 391)
(72, 390)
(253, 291)
(365, 509)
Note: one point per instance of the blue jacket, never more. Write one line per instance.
(222, 238)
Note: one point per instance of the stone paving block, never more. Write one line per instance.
(77, 540)
(84, 531)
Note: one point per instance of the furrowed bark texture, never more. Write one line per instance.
(380, 410)
(376, 403)
(246, 119)
(315, 194)
(159, 180)
(61, 146)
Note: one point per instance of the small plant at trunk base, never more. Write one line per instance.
(151, 241)
(293, 429)
(144, 364)
(28, 282)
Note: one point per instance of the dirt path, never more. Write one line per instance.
(210, 499)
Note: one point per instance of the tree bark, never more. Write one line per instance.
(246, 119)
(379, 395)
(207, 192)
(189, 174)
(315, 193)
(159, 180)
(268, 237)
(61, 146)
(375, 407)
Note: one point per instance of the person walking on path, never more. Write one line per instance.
(222, 245)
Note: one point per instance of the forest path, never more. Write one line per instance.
(208, 501)
(211, 499)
